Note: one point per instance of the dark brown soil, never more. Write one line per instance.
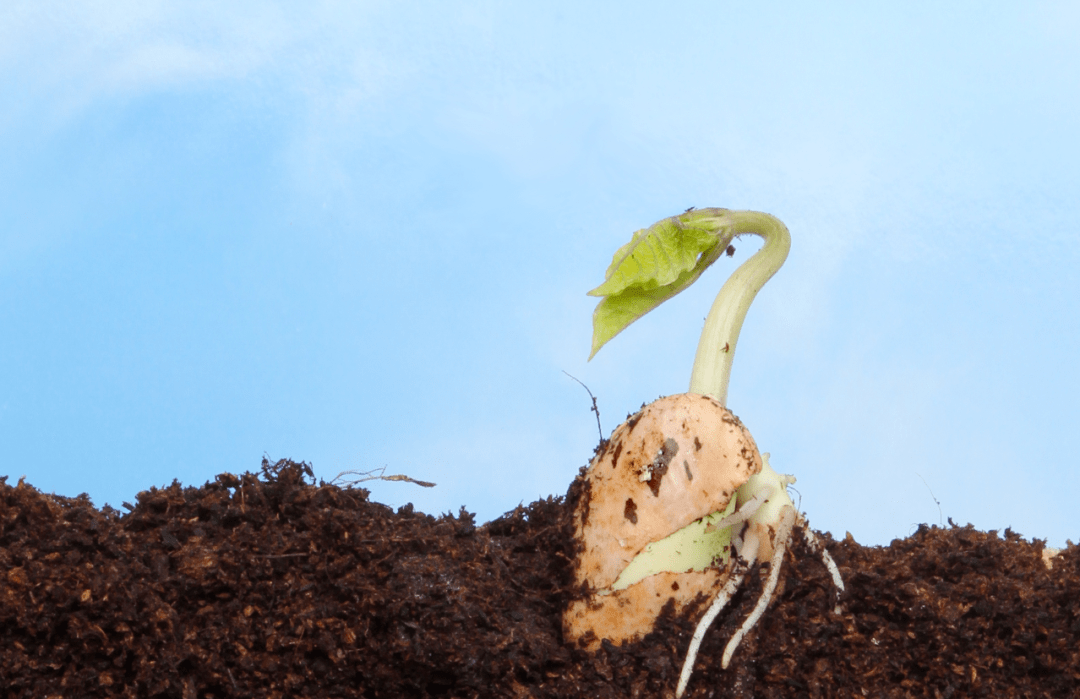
(273, 586)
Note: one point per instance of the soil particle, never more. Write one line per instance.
(658, 468)
(271, 585)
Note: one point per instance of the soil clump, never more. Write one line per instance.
(271, 585)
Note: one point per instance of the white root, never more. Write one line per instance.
(783, 536)
(830, 564)
(745, 511)
(745, 558)
(747, 547)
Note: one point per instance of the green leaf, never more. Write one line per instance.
(657, 263)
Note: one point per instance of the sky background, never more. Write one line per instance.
(359, 234)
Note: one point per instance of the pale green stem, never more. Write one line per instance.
(716, 349)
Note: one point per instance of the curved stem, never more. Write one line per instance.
(716, 349)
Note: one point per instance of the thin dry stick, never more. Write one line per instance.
(936, 501)
(368, 476)
(594, 408)
(282, 555)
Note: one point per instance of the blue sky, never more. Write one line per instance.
(360, 234)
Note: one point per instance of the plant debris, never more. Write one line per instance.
(270, 585)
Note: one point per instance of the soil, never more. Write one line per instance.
(273, 585)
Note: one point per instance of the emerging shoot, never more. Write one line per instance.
(680, 503)
(666, 258)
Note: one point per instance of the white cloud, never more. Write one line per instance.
(73, 54)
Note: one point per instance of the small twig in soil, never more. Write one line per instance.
(281, 555)
(377, 475)
(595, 409)
(935, 499)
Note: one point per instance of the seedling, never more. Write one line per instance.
(681, 485)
